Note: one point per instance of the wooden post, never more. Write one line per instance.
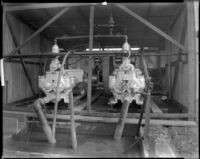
(147, 114)
(191, 57)
(106, 73)
(122, 119)
(73, 129)
(89, 92)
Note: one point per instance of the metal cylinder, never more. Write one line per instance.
(45, 125)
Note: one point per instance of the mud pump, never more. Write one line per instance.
(127, 84)
(56, 84)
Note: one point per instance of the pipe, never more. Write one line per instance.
(45, 125)
(57, 93)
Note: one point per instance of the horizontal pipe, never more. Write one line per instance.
(37, 106)
(86, 36)
(87, 53)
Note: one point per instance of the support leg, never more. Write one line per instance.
(120, 125)
(73, 129)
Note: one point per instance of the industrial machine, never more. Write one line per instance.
(57, 84)
(127, 83)
(69, 78)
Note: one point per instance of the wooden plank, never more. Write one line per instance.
(41, 29)
(43, 6)
(151, 26)
(115, 120)
(89, 90)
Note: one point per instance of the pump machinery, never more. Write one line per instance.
(69, 78)
(127, 83)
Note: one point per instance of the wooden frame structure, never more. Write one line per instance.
(91, 53)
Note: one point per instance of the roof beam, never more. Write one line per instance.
(43, 6)
(151, 26)
(41, 29)
(57, 24)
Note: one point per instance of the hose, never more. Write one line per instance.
(45, 126)
(56, 99)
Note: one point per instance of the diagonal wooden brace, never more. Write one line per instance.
(151, 26)
(41, 29)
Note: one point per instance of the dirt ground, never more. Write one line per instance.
(185, 142)
(182, 140)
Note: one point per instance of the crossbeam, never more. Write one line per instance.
(43, 6)
(151, 26)
(87, 53)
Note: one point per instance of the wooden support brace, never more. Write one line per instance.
(41, 29)
(151, 26)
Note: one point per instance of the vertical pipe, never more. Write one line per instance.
(121, 122)
(73, 129)
(89, 92)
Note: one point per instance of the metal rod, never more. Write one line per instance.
(95, 36)
(151, 26)
(87, 53)
(41, 29)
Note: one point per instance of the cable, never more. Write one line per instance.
(56, 102)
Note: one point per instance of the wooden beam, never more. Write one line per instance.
(151, 26)
(43, 6)
(41, 29)
(57, 24)
(115, 120)
(191, 35)
(106, 73)
(89, 92)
